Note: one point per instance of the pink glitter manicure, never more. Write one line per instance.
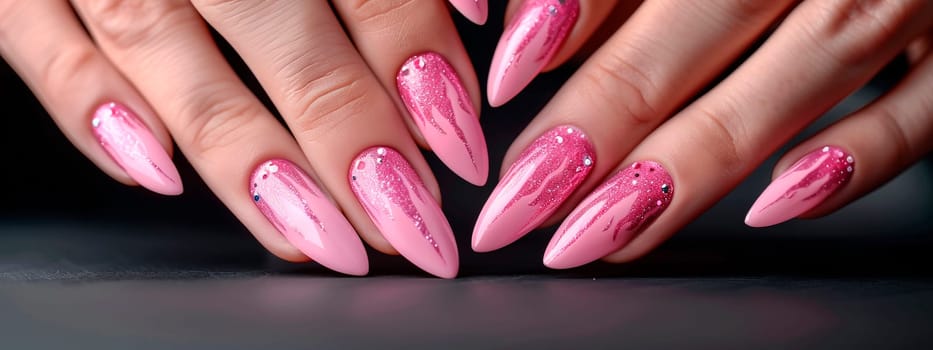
(528, 44)
(611, 216)
(475, 10)
(404, 210)
(296, 207)
(802, 187)
(131, 144)
(443, 112)
(541, 179)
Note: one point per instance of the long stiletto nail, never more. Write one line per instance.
(541, 179)
(300, 211)
(443, 111)
(475, 10)
(611, 216)
(802, 187)
(528, 44)
(404, 210)
(131, 144)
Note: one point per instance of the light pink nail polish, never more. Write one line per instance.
(611, 216)
(528, 44)
(131, 144)
(300, 211)
(404, 210)
(475, 10)
(443, 111)
(545, 174)
(802, 187)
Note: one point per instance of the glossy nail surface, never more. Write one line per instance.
(131, 144)
(475, 10)
(443, 111)
(530, 41)
(802, 186)
(404, 210)
(545, 174)
(611, 216)
(299, 210)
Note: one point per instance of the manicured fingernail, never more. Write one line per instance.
(611, 216)
(802, 187)
(528, 44)
(131, 144)
(444, 113)
(300, 211)
(474, 10)
(404, 210)
(545, 174)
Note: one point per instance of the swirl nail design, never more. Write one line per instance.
(298, 209)
(802, 187)
(611, 216)
(545, 174)
(443, 111)
(404, 210)
(131, 144)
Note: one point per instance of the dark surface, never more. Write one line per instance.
(88, 263)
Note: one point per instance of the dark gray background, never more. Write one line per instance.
(88, 263)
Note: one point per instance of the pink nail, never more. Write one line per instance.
(545, 174)
(404, 211)
(300, 211)
(443, 111)
(528, 44)
(802, 187)
(611, 216)
(474, 10)
(130, 143)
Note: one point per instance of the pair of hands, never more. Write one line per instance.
(632, 147)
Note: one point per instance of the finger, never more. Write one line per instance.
(882, 139)
(326, 93)
(822, 52)
(98, 110)
(664, 54)
(224, 130)
(413, 49)
(533, 37)
(594, 15)
(474, 10)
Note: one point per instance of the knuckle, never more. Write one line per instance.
(126, 23)
(215, 117)
(624, 87)
(64, 64)
(365, 11)
(722, 137)
(853, 31)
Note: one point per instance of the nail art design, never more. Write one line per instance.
(475, 10)
(443, 111)
(541, 179)
(299, 210)
(611, 216)
(528, 44)
(131, 144)
(802, 187)
(404, 210)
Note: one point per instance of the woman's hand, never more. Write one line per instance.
(356, 104)
(633, 147)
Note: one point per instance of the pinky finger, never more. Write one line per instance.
(820, 175)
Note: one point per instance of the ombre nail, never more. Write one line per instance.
(528, 44)
(611, 216)
(131, 144)
(475, 10)
(291, 201)
(802, 187)
(545, 174)
(443, 111)
(404, 210)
